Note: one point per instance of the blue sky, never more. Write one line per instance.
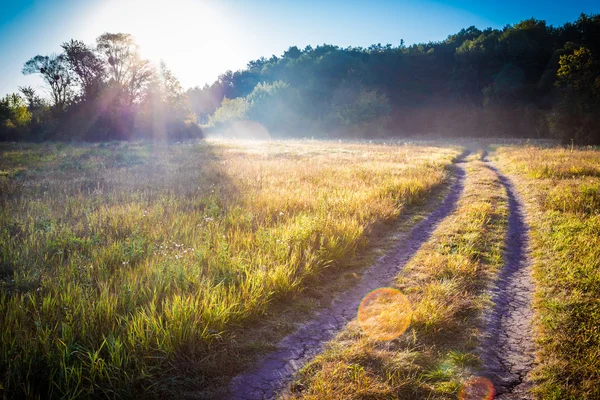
(200, 39)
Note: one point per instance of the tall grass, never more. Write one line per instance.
(446, 284)
(118, 260)
(563, 187)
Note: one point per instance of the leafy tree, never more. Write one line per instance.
(277, 106)
(86, 66)
(128, 73)
(575, 116)
(14, 117)
(292, 53)
(171, 91)
(55, 71)
(355, 105)
(230, 110)
(34, 102)
(164, 112)
(42, 118)
(580, 71)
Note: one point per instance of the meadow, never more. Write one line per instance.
(148, 270)
(445, 284)
(563, 191)
(126, 267)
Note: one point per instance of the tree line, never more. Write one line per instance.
(525, 80)
(97, 93)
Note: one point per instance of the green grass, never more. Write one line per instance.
(125, 269)
(446, 284)
(563, 187)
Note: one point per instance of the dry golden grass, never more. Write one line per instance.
(119, 263)
(446, 284)
(562, 187)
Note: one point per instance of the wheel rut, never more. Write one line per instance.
(507, 351)
(275, 371)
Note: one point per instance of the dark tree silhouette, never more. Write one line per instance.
(54, 70)
(87, 67)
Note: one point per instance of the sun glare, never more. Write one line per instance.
(477, 388)
(384, 314)
(180, 32)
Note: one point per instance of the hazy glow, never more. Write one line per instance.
(384, 314)
(194, 38)
(478, 388)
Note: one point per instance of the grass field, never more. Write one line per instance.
(124, 265)
(445, 284)
(139, 270)
(563, 188)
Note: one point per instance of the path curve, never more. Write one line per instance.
(508, 349)
(276, 370)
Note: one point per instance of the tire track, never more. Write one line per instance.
(507, 350)
(276, 370)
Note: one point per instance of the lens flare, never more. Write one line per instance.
(478, 388)
(384, 314)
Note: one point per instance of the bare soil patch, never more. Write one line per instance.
(508, 348)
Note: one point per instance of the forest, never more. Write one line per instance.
(528, 80)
